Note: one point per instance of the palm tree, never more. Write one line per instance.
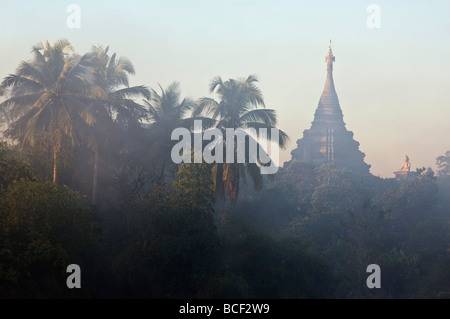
(111, 76)
(48, 96)
(238, 108)
(166, 113)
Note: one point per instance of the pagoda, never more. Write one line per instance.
(328, 140)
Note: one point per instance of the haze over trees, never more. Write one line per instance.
(86, 178)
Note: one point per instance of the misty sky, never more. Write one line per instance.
(392, 82)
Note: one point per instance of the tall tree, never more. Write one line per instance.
(48, 95)
(167, 112)
(238, 107)
(118, 107)
(443, 164)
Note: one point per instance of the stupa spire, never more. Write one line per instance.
(328, 140)
(329, 109)
(330, 59)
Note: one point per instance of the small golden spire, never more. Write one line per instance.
(330, 58)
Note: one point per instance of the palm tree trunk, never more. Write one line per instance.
(55, 156)
(95, 176)
(234, 188)
(161, 174)
(56, 148)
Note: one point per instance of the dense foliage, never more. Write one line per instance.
(87, 179)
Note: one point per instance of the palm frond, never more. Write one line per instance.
(254, 96)
(28, 70)
(20, 104)
(17, 82)
(7, 117)
(43, 100)
(215, 82)
(206, 122)
(170, 98)
(79, 108)
(118, 79)
(129, 110)
(95, 92)
(125, 65)
(206, 106)
(133, 92)
(185, 106)
(251, 79)
(36, 50)
(78, 71)
(36, 124)
(100, 53)
(283, 139)
(266, 116)
(154, 112)
(63, 46)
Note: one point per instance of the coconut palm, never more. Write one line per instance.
(111, 76)
(48, 96)
(240, 105)
(166, 112)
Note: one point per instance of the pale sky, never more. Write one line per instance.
(392, 82)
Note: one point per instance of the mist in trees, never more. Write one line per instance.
(86, 178)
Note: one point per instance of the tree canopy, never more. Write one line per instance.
(87, 178)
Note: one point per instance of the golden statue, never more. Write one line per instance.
(406, 165)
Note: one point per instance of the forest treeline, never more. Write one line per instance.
(86, 178)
